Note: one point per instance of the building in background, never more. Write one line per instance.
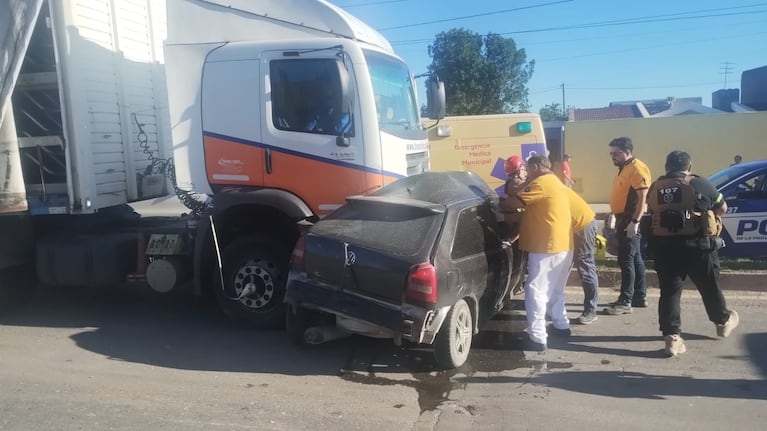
(668, 107)
(725, 99)
(753, 89)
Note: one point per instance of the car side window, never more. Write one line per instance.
(306, 97)
(475, 233)
(752, 187)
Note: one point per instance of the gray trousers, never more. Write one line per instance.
(583, 260)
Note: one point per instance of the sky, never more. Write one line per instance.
(600, 50)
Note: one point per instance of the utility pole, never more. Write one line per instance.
(564, 107)
(726, 70)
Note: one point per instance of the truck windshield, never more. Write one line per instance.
(394, 93)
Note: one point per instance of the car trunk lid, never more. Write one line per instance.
(369, 246)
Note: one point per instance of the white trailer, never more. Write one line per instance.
(85, 131)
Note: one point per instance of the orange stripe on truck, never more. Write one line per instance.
(323, 184)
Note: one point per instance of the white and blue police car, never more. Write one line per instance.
(744, 187)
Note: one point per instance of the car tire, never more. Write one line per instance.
(263, 261)
(453, 341)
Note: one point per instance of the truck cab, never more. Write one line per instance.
(279, 111)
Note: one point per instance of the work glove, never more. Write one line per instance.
(632, 230)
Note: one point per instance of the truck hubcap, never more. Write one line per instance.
(257, 279)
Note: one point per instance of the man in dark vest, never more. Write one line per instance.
(684, 237)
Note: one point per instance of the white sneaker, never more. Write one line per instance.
(724, 330)
(674, 345)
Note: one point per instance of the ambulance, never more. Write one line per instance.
(481, 143)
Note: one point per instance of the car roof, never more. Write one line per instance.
(752, 164)
(440, 188)
(725, 176)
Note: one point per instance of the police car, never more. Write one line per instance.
(744, 187)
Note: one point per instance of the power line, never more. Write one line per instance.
(642, 34)
(373, 3)
(546, 90)
(640, 48)
(475, 15)
(648, 19)
(649, 87)
(636, 20)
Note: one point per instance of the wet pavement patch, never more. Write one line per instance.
(369, 361)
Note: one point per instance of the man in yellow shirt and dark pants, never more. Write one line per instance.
(628, 201)
(546, 234)
(584, 238)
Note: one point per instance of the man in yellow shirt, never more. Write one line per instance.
(628, 201)
(584, 237)
(546, 234)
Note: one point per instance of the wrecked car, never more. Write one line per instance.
(421, 260)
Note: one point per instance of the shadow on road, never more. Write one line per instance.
(123, 326)
(642, 385)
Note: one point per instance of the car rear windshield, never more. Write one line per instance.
(392, 229)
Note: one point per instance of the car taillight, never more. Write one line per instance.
(422, 283)
(297, 258)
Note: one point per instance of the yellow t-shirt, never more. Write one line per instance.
(580, 211)
(546, 226)
(633, 176)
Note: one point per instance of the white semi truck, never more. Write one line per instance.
(273, 113)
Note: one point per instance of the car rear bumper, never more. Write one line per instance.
(410, 322)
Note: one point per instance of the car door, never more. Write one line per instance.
(480, 258)
(745, 223)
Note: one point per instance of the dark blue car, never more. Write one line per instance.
(421, 260)
(744, 187)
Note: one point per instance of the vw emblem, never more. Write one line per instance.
(350, 258)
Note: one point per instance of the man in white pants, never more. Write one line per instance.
(546, 234)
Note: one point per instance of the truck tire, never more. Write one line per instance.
(262, 262)
(17, 286)
(453, 341)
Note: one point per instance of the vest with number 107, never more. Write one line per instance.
(672, 204)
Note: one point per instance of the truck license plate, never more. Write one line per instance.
(164, 244)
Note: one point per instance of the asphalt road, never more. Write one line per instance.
(100, 360)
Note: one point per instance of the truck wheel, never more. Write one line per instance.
(17, 286)
(453, 342)
(258, 263)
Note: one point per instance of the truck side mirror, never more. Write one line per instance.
(435, 99)
(345, 120)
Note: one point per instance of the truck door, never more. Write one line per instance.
(311, 145)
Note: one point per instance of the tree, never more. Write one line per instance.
(482, 74)
(552, 112)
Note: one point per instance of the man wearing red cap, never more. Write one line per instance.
(516, 171)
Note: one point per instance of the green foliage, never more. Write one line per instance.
(552, 112)
(482, 74)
